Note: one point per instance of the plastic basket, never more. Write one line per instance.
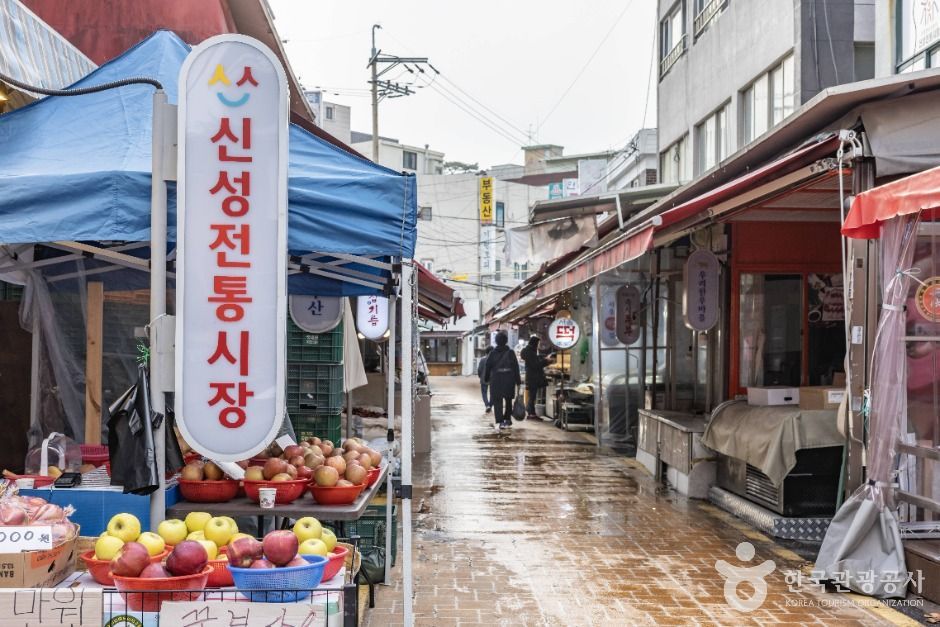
(315, 388)
(325, 427)
(372, 528)
(96, 454)
(337, 559)
(208, 491)
(148, 595)
(100, 570)
(336, 495)
(372, 476)
(220, 577)
(314, 347)
(287, 491)
(279, 585)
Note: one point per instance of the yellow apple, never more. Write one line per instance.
(329, 538)
(231, 521)
(173, 531)
(211, 549)
(154, 543)
(107, 547)
(196, 521)
(313, 546)
(218, 530)
(239, 535)
(124, 526)
(308, 528)
(197, 535)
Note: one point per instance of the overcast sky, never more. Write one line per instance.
(516, 57)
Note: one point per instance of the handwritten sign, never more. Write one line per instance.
(228, 614)
(34, 538)
(564, 333)
(700, 297)
(37, 607)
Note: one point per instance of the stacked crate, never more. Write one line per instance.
(315, 382)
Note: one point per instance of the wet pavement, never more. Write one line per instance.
(535, 527)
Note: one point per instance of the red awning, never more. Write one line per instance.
(436, 299)
(912, 194)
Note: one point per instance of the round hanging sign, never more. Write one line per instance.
(563, 333)
(316, 314)
(372, 316)
(928, 299)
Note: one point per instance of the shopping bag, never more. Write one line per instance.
(518, 408)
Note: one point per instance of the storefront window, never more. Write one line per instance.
(922, 333)
(918, 24)
(440, 349)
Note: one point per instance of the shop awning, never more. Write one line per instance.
(436, 300)
(912, 194)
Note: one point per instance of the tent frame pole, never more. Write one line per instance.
(158, 240)
(390, 415)
(407, 377)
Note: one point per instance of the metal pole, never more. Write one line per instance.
(390, 488)
(407, 272)
(158, 298)
(375, 97)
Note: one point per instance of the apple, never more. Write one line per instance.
(231, 521)
(329, 538)
(196, 536)
(193, 471)
(297, 561)
(338, 463)
(326, 476)
(107, 547)
(282, 477)
(196, 521)
(124, 526)
(314, 546)
(243, 463)
(187, 558)
(365, 461)
(218, 530)
(274, 466)
(173, 531)
(243, 551)
(351, 445)
(314, 441)
(261, 563)
(344, 483)
(212, 549)
(212, 471)
(326, 447)
(293, 451)
(155, 571)
(254, 473)
(350, 456)
(280, 546)
(356, 474)
(304, 472)
(130, 560)
(153, 542)
(375, 456)
(296, 460)
(307, 527)
(237, 536)
(314, 459)
(292, 471)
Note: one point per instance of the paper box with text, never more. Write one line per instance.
(37, 569)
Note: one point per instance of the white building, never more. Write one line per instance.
(333, 118)
(397, 156)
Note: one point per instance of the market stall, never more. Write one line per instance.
(80, 169)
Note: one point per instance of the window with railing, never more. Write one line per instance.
(705, 12)
(671, 37)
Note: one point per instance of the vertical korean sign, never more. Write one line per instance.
(231, 279)
(486, 200)
(701, 277)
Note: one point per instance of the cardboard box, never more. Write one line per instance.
(821, 397)
(37, 569)
(773, 395)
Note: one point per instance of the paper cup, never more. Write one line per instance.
(27, 483)
(266, 497)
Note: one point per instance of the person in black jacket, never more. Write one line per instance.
(535, 380)
(484, 387)
(501, 372)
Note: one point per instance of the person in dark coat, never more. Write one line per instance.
(535, 380)
(501, 372)
(484, 387)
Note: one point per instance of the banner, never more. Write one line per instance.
(486, 200)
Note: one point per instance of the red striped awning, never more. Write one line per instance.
(912, 194)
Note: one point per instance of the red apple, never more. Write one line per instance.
(351, 455)
(188, 558)
(292, 471)
(274, 466)
(315, 441)
(374, 455)
(282, 477)
(344, 483)
(297, 561)
(280, 547)
(327, 447)
(293, 451)
(326, 476)
(131, 560)
(254, 473)
(243, 551)
(262, 563)
(338, 463)
(356, 474)
(154, 571)
(304, 472)
(296, 460)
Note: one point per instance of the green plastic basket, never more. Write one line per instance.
(325, 427)
(315, 388)
(371, 528)
(306, 347)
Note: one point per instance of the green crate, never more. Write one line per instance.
(324, 348)
(314, 388)
(325, 427)
(371, 528)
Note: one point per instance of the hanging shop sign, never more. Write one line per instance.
(608, 316)
(628, 325)
(316, 314)
(700, 298)
(486, 200)
(232, 247)
(928, 299)
(563, 333)
(372, 316)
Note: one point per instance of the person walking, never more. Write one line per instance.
(501, 373)
(484, 386)
(535, 380)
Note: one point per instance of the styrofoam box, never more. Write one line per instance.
(773, 395)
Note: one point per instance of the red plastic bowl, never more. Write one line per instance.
(336, 495)
(373, 476)
(147, 595)
(221, 576)
(337, 558)
(100, 570)
(208, 491)
(287, 491)
(96, 454)
(39, 481)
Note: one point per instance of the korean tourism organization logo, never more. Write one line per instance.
(753, 575)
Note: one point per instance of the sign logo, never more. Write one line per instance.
(232, 247)
(486, 200)
(372, 316)
(700, 298)
(928, 299)
(753, 575)
(564, 333)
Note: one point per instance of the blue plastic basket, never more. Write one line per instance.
(279, 585)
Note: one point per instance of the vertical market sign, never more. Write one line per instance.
(231, 280)
(701, 277)
(486, 200)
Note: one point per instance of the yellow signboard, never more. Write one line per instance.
(486, 200)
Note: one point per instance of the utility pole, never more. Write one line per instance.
(389, 88)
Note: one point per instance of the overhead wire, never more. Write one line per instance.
(483, 120)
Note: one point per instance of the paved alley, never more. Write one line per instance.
(535, 528)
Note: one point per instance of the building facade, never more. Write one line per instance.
(907, 36)
(333, 118)
(731, 70)
(397, 156)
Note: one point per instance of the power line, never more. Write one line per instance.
(510, 130)
(475, 116)
(471, 96)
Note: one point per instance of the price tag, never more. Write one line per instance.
(201, 613)
(33, 538)
(77, 607)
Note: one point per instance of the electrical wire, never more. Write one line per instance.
(81, 91)
(522, 137)
(471, 96)
(490, 125)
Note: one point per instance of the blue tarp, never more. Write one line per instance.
(78, 168)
